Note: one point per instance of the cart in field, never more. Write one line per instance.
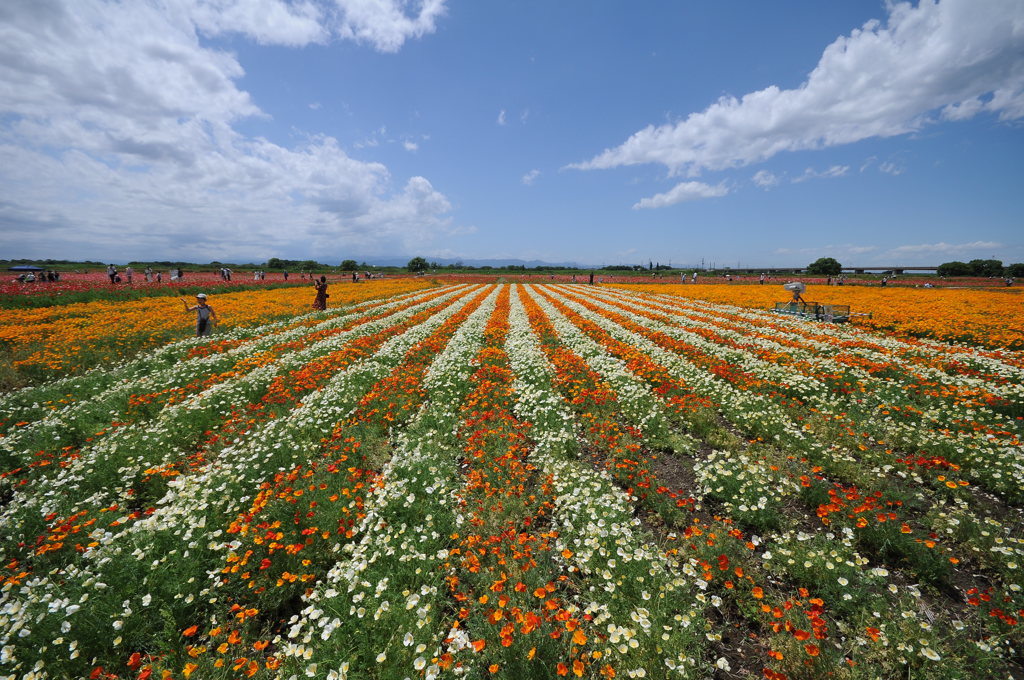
(815, 311)
(812, 310)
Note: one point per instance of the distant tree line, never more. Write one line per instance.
(827, 266)
(986, 268)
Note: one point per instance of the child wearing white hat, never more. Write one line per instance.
(205, 316)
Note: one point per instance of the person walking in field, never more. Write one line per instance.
(205, 316)
(320, 302)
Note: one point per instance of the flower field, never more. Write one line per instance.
(990, 318)
(515, 481)
(51, 341)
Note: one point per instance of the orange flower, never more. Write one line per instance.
(479, 645)
(757, 592)
(812, 650)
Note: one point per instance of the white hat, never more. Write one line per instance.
(201, 296)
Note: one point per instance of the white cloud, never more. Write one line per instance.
(384, 23)
(684, 191)
(811, 173)
(266, 21)
(118, 130)
(410, 145)
(891, 168)
(529, 177)
(765, 179)
(952, 57)
(942, 248)
(846, 253)
(501, 117)
(924, 254)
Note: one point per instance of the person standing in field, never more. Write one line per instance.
(111, 272)
(205, 316)
(320, 302)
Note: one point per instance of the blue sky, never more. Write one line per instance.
(739, 133)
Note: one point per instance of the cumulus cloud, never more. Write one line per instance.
(384, 23)
(529, 177)
(939, 60)
(501, 118)
(118, 129)
(684, 191)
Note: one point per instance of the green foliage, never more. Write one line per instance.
(825, 266)
(1015, 269)
(299, 265)
(954, 268)
(417, 264)
(348, 265)
(986, 267)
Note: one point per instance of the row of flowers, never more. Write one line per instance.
(749, 490)
(513, 481)
(51, 341)
(978, 317)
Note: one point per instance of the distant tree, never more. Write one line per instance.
(417, 264)
(1016, 269)
(825, 266)
(954, 268)
(275, 263)
(348, 265)
(986, 267)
